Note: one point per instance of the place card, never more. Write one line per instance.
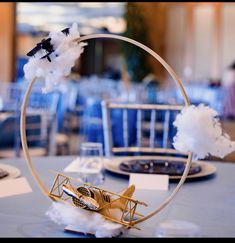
(149, 181)
(11, 187)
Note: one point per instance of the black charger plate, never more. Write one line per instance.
(208, 169)
(152, 166)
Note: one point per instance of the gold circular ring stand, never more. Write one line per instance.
(172, 74)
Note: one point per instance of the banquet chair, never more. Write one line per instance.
(150, 126)
(10, 95)
(41, 122)
(41, 126)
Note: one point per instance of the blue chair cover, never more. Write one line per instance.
(92, 127)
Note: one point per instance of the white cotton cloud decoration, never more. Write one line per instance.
(66, 52)
(199, 131)
(84, 220)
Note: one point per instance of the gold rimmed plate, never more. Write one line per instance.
(12, 171)
(113, 165)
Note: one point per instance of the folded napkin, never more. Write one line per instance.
(11, 187)
(73, 166)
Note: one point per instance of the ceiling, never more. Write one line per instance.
(92, 17)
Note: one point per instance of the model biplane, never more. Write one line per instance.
(117, 207)
(47, 46)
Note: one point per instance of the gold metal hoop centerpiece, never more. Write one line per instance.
(172, 74)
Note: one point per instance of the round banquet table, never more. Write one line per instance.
(208, 202)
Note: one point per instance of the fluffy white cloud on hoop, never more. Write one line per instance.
(62, 59)
(200, 132)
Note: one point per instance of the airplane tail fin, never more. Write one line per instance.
(121, 202)
(127, 193)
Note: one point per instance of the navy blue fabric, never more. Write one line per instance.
(60, 112)
(117, 127)
(21, 61)
(92, 127)
(9, 131)
(7, 135)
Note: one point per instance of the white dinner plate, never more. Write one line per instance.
(112, 165)
(13, 172)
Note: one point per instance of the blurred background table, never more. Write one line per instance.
(209, 203)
